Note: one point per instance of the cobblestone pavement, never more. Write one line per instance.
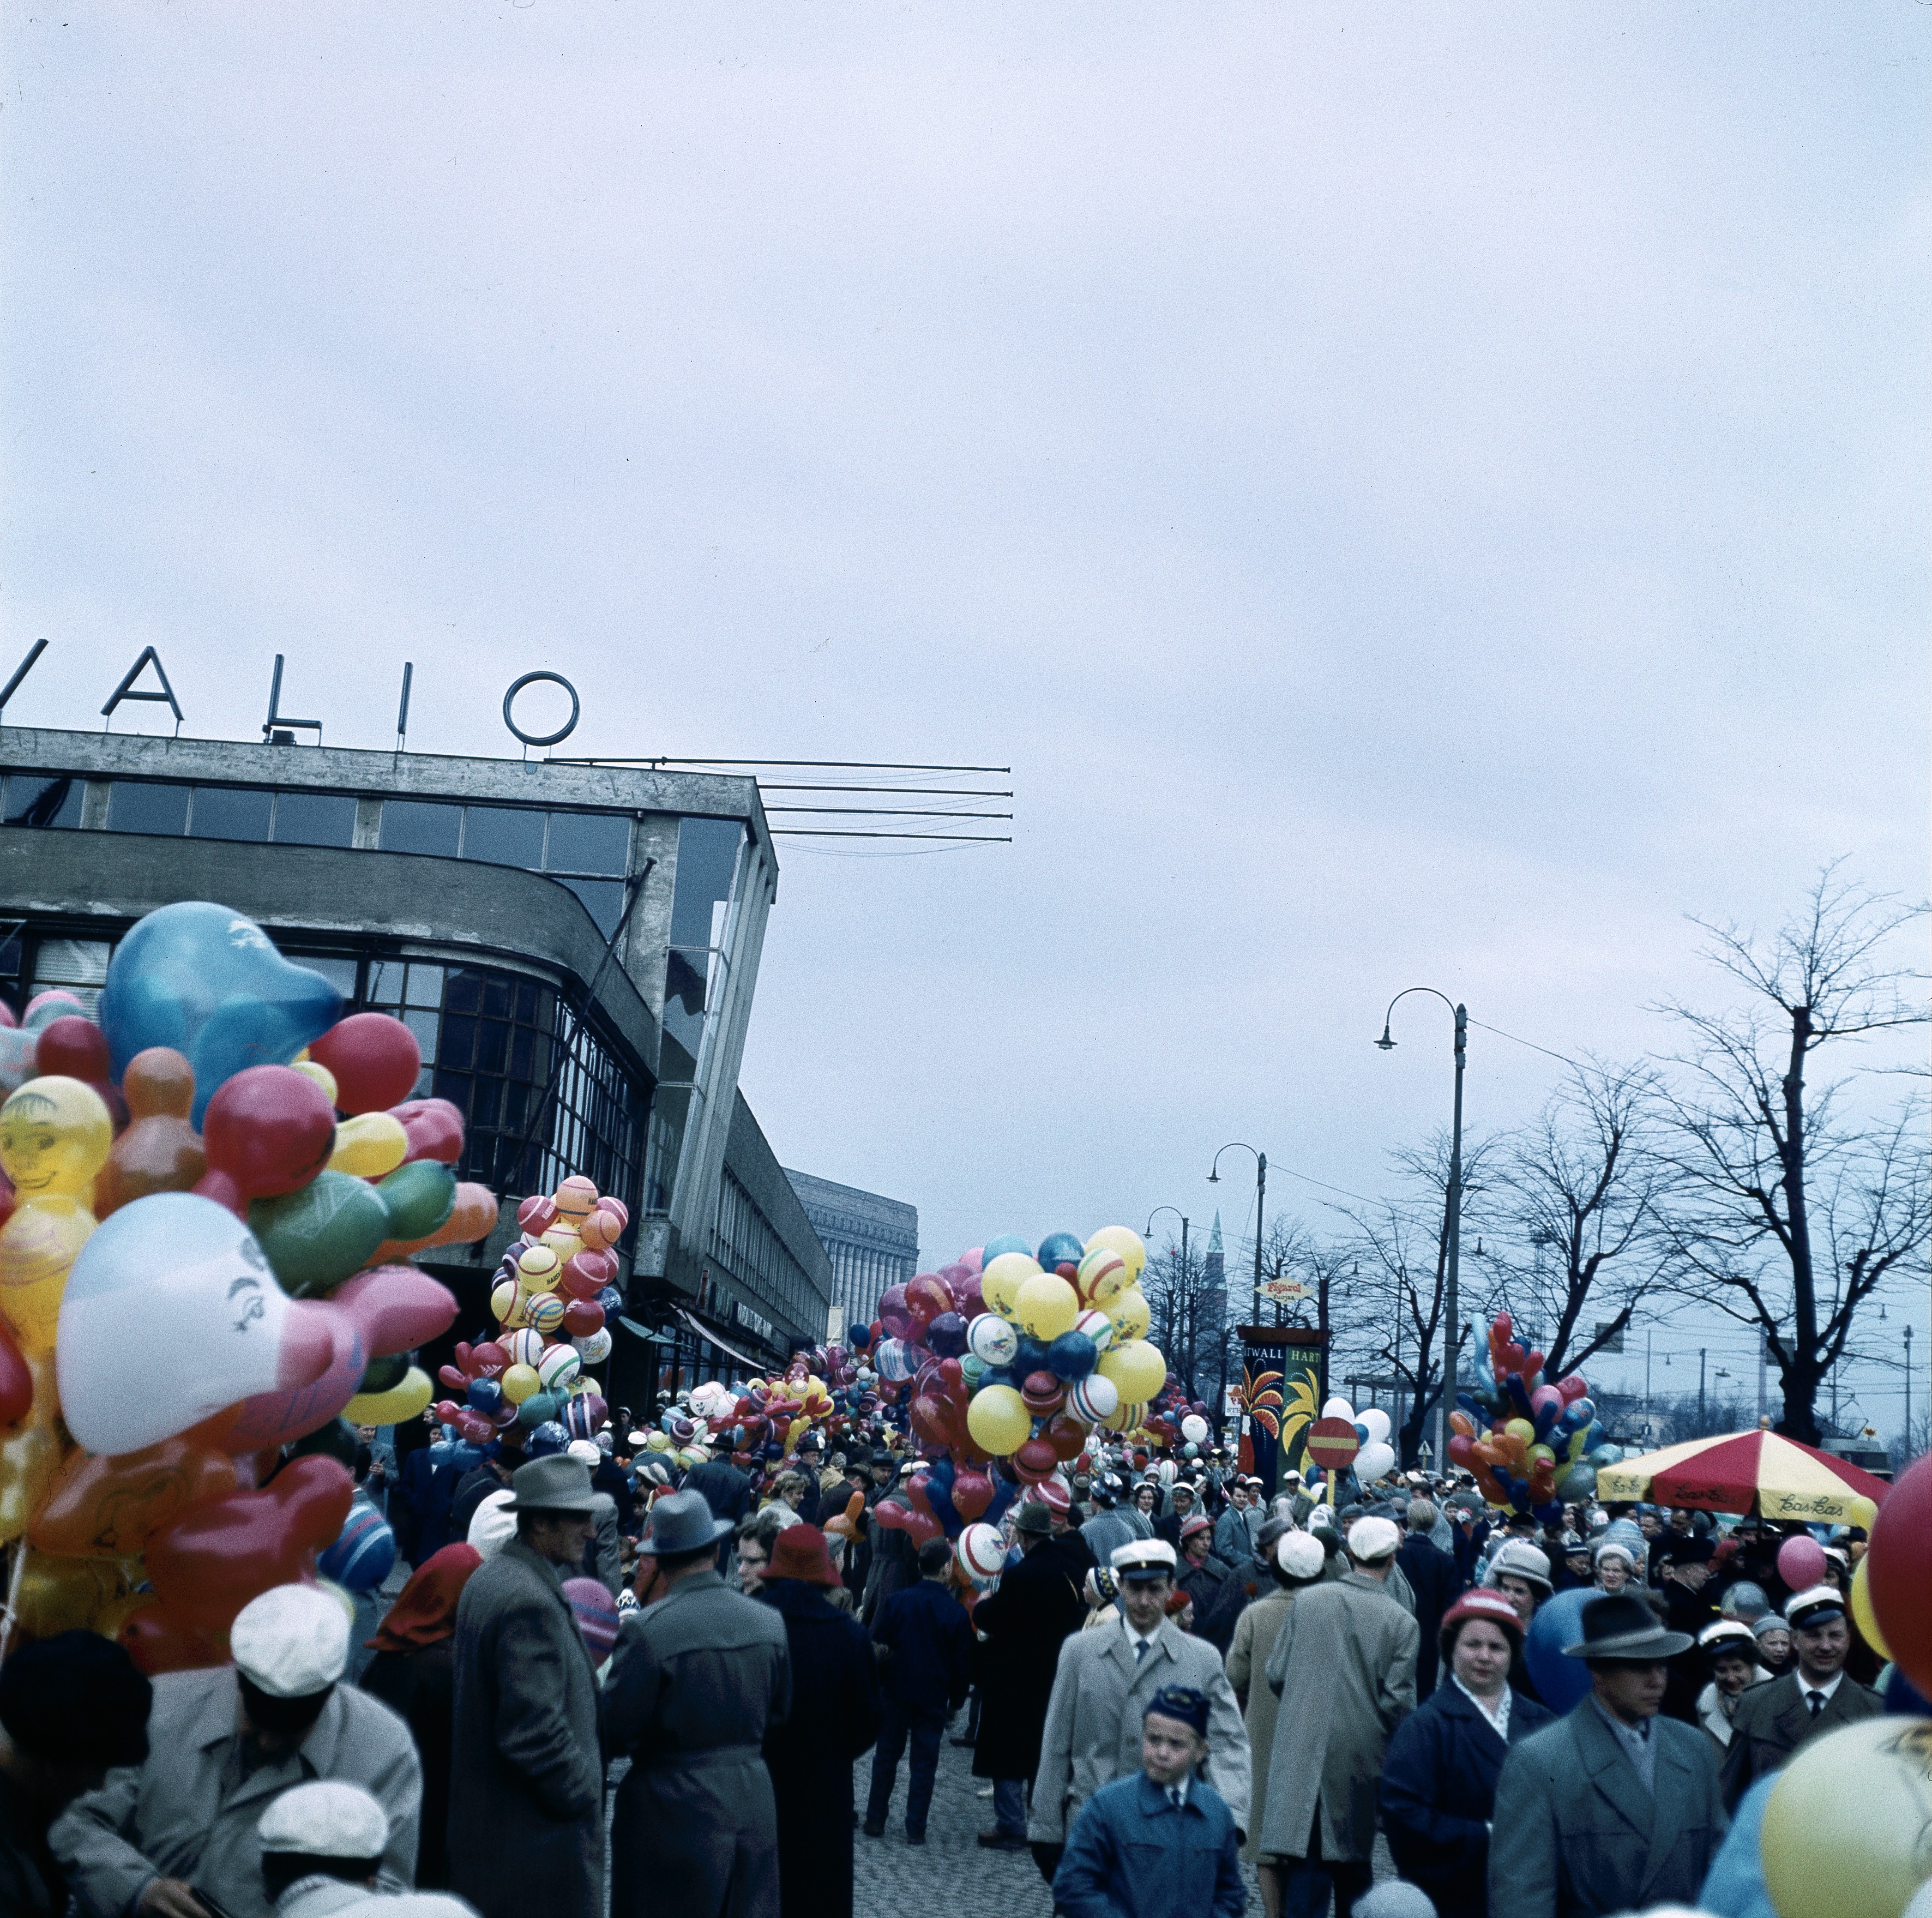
(949, 1873)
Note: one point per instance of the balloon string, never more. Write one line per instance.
(10, 1616)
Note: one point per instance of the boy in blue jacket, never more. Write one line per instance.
(928, 1641)
(1161, 1844)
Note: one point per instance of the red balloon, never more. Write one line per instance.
(375, 1060)
(536, 1215)
(1066, 1435)
(267, 1130)
(74, 1047)
(932, 1420)
(926, 1297)
(17, 1382)
(487, 1360)
(915, 1491)
(972, 1493)
(1035, 1461)
(1899, 1574)
(215, 1557)
(583, 1316)
(434, 1128)
(158, 1642)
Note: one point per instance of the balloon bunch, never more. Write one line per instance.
(551, 1294)
(1005, 1362)
(1348, 1444)
(763, 1421)
(199, 1266)
(1529, 1445)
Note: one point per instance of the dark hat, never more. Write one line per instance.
(559, 1484)
(1620, 1626)
(76, 1699)
(680, 1522)
(1034, 1517)
(1182, 1702)
(800, 1552)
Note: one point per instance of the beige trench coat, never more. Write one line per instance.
(1093, 1719)
(1255, 1633)
(1343, 1666)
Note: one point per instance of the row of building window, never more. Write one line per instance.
(743, 1240)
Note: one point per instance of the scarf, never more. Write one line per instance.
(424, 1613)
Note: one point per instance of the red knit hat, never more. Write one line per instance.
(800, 1552)
(1484, 1603)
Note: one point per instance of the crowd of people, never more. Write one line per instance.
(1172, 1674)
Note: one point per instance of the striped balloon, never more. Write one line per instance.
(1098, 1327)
(559, 1364)
(524, 1347)
(980, 1552)
(365, 1551)
(1093, 1399)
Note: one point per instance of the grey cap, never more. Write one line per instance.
(559, 1484)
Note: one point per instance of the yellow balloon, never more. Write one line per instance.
(64, 1594)
(518, 1381)
(998, 1420)
(1845, 1826)
(29, 1459)
(1521, 1428)
(314, 1069)
(1137, 1370)
(657, 1442)
(369, 1145)
(1047, 1306)
(1863, 1616)
(1125, 1241)
(396, 1406)
(1124, 1417)
(55, 1133)
(506, 1304)
(1102, 1277)
(1000, 1284)
(1130, 1315)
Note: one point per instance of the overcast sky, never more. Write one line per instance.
(1416, 495)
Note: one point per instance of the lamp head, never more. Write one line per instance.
(1385, 1042)
(1213, 1178)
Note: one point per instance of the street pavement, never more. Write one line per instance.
(950, 1874)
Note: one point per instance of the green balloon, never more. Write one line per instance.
(316, 1238)
(536, 1408)
(384, 1374)
(419, 1198)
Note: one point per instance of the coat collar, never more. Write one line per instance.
(1609, 1771)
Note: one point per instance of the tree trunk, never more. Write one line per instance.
(1801, 1378)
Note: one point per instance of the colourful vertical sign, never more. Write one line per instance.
(1281, 1397)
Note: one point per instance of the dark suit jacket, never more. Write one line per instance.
(1773, 1720)
(1433, 1578)
(1575, 1835)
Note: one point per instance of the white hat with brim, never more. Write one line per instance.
(291, 1642)
(1141, 1560)
(325, 1818)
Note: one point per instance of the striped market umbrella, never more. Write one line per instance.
(1749, 1472)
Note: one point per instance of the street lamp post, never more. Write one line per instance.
(1453, 1337)
(1260, 1198)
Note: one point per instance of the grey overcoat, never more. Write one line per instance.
(178, 1816)
(706, 1671)
(1093, 1734)
(1255, 1633)
(1575, 1834)
(1343, 1667)
(526, 1773)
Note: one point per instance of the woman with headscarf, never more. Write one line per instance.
(413, 1672)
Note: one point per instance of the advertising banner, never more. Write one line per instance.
(1281, 1396)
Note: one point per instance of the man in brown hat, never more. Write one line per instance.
(703, 1676)
(526, 1777)
(1613, 1808)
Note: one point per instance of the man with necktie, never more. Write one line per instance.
(1772, 1721)
(1161, 1843)
(1102, 1687)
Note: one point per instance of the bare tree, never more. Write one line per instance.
(1391, 1307)
(1787, 1212)
(1572, 1216)
(1187, 1319)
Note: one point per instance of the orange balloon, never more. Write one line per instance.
(106, 1507)
(474, 1216)
(160, 1151)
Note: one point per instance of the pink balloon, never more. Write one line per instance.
(1800, 1563)
(1574, 1386)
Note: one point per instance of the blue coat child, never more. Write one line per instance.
(1135, 1853)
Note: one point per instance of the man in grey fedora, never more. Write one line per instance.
(526, 1775)
(699, 1677)
(1612, 1809)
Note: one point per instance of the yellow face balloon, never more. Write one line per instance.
(55, 1134)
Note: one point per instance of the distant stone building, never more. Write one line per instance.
(873, 1242)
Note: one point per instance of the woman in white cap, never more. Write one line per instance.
(275, 1718)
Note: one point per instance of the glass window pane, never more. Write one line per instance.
(603, 899)
(504, 835)
(425, 985)
(424, 1025)
(31, 802)
(385, 982)
(148, 805)
(416, 825)
(314, 819)
(707, 859)
(457, 1044)
(463, 993)
(493, 1045)
(497, 996)
(230, 812)
(589, 842)
(340, 973)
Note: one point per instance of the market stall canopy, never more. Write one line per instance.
(1749, 1472)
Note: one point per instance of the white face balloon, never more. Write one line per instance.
(170, 1314)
